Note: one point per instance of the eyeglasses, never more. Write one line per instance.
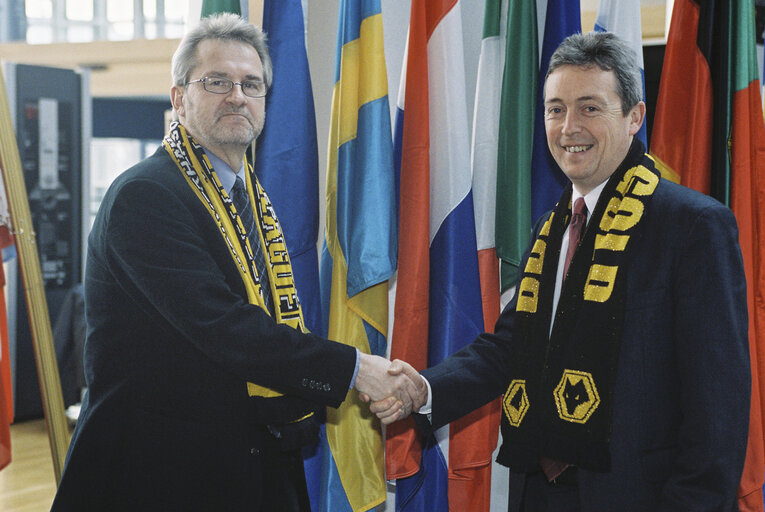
(250, 88)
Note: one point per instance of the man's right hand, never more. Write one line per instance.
(392, 384)
(389, 409)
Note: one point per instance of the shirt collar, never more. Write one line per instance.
(226, 174)
(590, 199)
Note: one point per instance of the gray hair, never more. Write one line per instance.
(225, 26)
(608, 52)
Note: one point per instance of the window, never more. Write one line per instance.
(53, 21)
(110, 157)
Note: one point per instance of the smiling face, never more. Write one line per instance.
(222, 122)
(587, 133)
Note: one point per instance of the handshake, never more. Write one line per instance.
(394, 388)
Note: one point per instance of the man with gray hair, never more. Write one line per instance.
(623, 358)
(203, 382)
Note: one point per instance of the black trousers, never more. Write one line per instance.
(283, 482)
(531, 492)
(281, 477)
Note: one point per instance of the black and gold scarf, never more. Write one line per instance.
(271, 407)
(559, 400)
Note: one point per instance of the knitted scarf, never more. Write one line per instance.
(559, 400)
(271, 407)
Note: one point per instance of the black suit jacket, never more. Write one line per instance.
(682, 391)
(171, 343)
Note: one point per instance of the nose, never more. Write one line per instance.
(571, 122)
(236, 94)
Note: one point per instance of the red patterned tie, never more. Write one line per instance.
(576, 226)
(553, 468)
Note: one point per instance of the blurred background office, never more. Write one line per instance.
(88, 85)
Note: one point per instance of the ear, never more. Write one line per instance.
(637, 117)
(177, 95)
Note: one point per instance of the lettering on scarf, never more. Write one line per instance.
(528, 290)
(622, 214)
(276, 248)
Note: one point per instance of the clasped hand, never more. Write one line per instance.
(394, 388)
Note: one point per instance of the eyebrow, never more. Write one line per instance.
(223, 74)
(599, 99)
(580, 99)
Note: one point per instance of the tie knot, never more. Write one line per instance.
(580, 207)
(238, 186)
(239, 195)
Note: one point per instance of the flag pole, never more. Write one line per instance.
(37, 305)
(255, 9)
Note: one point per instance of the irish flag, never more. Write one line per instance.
(528, 180)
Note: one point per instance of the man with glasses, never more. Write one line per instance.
(203, 382)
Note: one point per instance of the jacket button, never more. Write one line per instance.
(305, 383)
(327, 387)
(254, 451)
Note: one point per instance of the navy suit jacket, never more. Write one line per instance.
(682, 391)
(167, 423)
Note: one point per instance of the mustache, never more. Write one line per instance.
(240, 112)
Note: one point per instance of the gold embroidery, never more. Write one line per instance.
(534, 266)
(622, 215)
(528, 295)
(576, 396)
(646, 184)
(528, 290)
(629, 213)
(611, 242)
(516, 402)
(546, 227)
(600, 283)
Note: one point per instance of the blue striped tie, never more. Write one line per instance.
(241, 200)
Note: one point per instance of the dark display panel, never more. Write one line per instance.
(48, 123)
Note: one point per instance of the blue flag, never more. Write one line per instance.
(287, 162)
(562, 18)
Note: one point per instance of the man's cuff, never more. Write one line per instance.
(428, 407)
(356, 370)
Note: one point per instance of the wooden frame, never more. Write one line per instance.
(34, 291)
